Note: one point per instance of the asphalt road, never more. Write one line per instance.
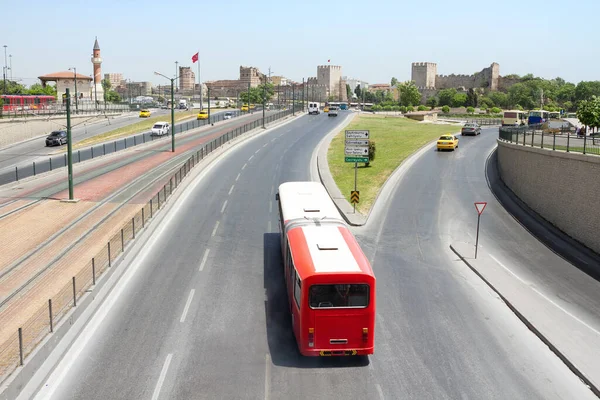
(202, 314)
(25, 153)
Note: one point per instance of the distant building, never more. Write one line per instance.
(251, 75)
(66, 79)
(114, 79)
(280, 81)
(134, 89)
(355, 82)
(187, 78)
(328, 83)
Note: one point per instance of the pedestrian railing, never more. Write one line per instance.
(559, 139)
(15, 349)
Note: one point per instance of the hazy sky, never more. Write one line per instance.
(371, 40)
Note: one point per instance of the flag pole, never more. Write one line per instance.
(199, 80)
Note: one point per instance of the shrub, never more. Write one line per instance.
(372, 149)
(376, 107)
(422, 108)
(445, 109)
(387, 108)
(432, 102)
(410, 109)
(395, 108)
(470, 110)
(402, 109)
(496, 110)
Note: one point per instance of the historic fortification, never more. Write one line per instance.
(425, 76)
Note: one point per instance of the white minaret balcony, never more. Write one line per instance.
(97, 60)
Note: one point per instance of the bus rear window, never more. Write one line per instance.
(510, 115)
(337, 296)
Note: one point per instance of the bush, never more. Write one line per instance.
(395, 108)
(410, 109)
(387, 108)
(445, 109)
(432, 102)
(403, 109)
(422, 108)
(376, 107)
(496, 110)
(470, 110)
(372, 149)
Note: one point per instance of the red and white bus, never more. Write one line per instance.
(329, 280)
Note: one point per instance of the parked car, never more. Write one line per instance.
(56, 138)
(144, 113)
(228, 115)
(470, 128)
(447, 142)
(160, 129)
(202, 115)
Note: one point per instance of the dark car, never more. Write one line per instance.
(56, 138)
(471, 128)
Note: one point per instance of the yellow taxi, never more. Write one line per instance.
(244, 107)
(447, 142)
(326, 109)
(202, 115)
(144, 113)
(252, 106)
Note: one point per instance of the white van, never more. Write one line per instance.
(313, 108)
(159, 129)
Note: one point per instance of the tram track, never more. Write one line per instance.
(171, 166)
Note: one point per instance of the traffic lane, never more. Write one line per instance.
(139, 333)
(507, 240)
(434, 314)
(27, 152)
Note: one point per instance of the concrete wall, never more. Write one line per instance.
(561, 187)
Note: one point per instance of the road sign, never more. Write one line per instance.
(354, 196)
(357, 142)
(356, 151)
(356, 159)
(357, 134)
(480, 206)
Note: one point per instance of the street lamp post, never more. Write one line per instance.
(172, 108)
(293, 99)
(4, 71)
(264, 103)
(75, 77)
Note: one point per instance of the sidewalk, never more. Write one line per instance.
(574, 341)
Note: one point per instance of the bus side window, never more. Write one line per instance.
(297, 289)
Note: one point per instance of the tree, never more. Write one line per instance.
(521, 94)
(421, 108)
(470, 110)
(431, 102)
(472, 98)
(112, 97)
(393, 82)
(348, 92)
(588, 112)
(500, 99)
(459, 100)
(585, 90)
(409, 94)
(445, 96)
(37, 89)
(357, 91)
(445, 109)
(486, 102)
(496, 110)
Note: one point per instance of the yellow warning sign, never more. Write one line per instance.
(354, 196)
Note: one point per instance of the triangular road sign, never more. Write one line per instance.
(480, 206)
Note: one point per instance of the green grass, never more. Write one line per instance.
(144, 125)
(395, 139)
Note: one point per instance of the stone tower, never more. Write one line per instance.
(423, 74)
(97, 90)
(330, 76)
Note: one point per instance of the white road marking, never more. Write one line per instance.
(266, 144)
(238, 177)
(161, 378)
(256, 152)
(269, 226)
(272, 140)
(267, 376)
(244, 167)
(545, 297)
(187, 306)
(214, 232)
(231, 190)
(251, 157)
(270, 206)
(380, 391)
(272, 190)
(206, 253)
(224, 205)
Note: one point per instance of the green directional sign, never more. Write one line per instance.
(356, 159)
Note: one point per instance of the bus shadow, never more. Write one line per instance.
(280, 337)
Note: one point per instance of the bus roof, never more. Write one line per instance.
(320, 250)
(306, 200)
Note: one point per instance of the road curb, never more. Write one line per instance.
(531, 327)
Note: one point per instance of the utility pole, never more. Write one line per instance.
(208, 94)
(176, 69)
(76, 96)
(249, 109)
(264, 100)
(69, 145)
(4, 71)
(173, 115)
(10, 66)
(302, 94)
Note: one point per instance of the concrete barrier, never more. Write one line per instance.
(561, 187)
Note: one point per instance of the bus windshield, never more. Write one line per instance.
(338, 296)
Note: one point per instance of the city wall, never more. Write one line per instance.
(561, 187)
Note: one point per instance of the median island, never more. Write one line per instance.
(395, 139)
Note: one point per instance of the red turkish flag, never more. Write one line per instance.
(195, 58)
(328, 60)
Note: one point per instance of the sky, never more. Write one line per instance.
(372, 41)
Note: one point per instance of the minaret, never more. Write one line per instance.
(97, 90)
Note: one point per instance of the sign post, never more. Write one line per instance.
(480, 206)
(356, 149)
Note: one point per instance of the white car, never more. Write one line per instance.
(160, 129)
(333, 112)
(228, 115)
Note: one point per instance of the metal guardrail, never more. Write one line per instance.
(60, 161)
(559, 139)
(21, 343)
